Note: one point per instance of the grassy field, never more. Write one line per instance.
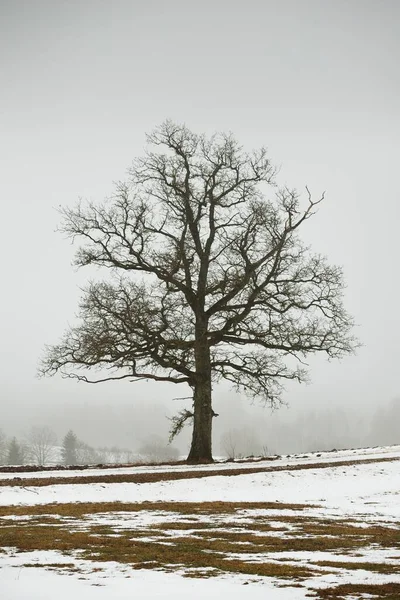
(304, 547)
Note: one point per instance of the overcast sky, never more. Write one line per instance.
(316, 81)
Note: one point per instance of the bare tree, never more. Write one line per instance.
(209, 279)
(155, 449)
(229, 442)
(240, 442)
(86, 455)
(3, 448)
(40, 445)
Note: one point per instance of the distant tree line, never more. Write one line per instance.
(37, 447)
(314, 430)
(40, 447)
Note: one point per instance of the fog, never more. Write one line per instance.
(317, 82)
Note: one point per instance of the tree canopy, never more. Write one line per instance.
(208, 278)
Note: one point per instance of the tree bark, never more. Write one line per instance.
(201, 448)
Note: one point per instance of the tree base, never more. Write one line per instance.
(191, 460)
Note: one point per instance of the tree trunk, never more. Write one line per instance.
(200, 451)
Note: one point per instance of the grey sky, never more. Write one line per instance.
(316, 81)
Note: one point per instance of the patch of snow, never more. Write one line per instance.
(123, 583)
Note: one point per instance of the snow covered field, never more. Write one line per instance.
(282, 533)
(289, 460)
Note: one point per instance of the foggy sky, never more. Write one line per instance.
(315, 81)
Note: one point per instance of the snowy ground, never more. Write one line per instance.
(366, 496)
(273, 461)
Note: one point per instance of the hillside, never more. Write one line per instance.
(323, 525)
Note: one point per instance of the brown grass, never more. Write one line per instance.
(201, 540)
(387, 569)
(79, 509)
(183, 552)
(384, 591)
(70, 567)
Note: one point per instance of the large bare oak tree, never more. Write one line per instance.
(209, 279)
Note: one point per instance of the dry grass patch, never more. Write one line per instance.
(70, 567)
(79, 509)
(322, 534)
(311, 536)
(68, 528)
(202, 540)
(184, 554)
(384, 568)
(384, 591)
